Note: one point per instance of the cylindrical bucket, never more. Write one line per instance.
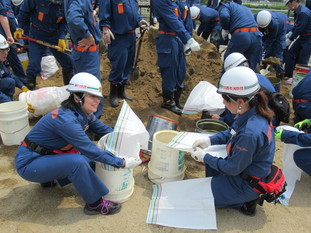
(299, 73)
(14, 122)
(156, 123)
(120, 182)
(166, 164)
(276, 82)
(210, 126)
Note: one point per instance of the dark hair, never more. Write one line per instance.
(70, 103)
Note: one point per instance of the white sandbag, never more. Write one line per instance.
(44, 100)
(48, 66)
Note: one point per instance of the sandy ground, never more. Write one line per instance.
(26, 207)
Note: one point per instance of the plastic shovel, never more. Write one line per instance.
(135, 72)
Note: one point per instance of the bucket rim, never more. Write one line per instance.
(15, 106)
(164, 118)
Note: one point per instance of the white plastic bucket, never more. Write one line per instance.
(14, 122)
(166, 164)
(299, 73)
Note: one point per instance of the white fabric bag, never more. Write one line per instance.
(48, 66)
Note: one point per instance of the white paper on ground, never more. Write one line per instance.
(183, 204)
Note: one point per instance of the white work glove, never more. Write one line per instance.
(131, 162)
(198, 155)
(224, 34)
(201, 143)
(143, 24)
(107, 35)
(191, 46)
(288, 42)
(288, 35)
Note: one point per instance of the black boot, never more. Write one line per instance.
(169, 103)
(122, 94)
(177, 95)
(67, 76)
(114, 90)
(31, 83)
(249, 208)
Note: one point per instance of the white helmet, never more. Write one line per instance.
(3, 42)
(85, 83)
(263, 18)
(239, 82)
(233, 60)
(194, 11)
(17, 2)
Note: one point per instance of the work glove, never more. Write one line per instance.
(143, 24)
(288, 35)
(288, 42)
(201, 143)
(224, 34)
(198, 155)
(278, 134)
(305, 124)
(24, 89)
(18, 33)
(131, 162)
(30, 108)
(61, 45)
(191, 46)
(107, 35)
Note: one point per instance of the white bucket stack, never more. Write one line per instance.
(14, 122)
(166, 164)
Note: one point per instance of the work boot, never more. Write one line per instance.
(114, 90)
(49, 184)
(177, 95)
(67, 76)
(249, 208)
(105, 207)
(121, 93)
(31, 83)
(169, 103)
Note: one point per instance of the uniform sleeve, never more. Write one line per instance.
(224, 14)
(100, 128)
(300, 139)
(221, 137)
(300, 25)
(104, 13)
(24, 14)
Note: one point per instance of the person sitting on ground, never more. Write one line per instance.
(250, 142)
(57, 147)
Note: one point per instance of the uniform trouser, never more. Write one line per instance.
(89, 62)
(7, 89)
(16, 65)
(276, 49)
(247, 43)
(229, 191)
(171, 61)
(298, 53)
(302, 159)
(73, 167)
(302, 111)
(121, 54)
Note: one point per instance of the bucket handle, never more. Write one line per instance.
(16, 130)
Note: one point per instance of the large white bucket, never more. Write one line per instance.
(166, 164)
(14, 122)
(120, 182)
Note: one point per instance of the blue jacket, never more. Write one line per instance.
(5, 73)
(63, 128)
(209, 19)
(121, 16)
(302, 23)
(297, 138)
(80, 20)
(303, 89)
(250, 147)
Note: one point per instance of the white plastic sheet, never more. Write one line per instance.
(48, 66)
(183, 204)
(204, 97)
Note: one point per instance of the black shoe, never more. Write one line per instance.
(122, 94)
(106, 207)
(249, 208)
(172, 108)
(49, 184)
(114, 89)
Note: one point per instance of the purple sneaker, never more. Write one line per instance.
(106, 207)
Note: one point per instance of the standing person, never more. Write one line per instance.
(57, 147)
(250, 143)
(85, 35)
(209, 23)
(274, 27)
(300, 51)
(43, 20)
(239, 21)
(173, 41)
(119, 22)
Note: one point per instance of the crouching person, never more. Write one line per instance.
(57, 147)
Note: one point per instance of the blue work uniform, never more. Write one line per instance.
(209, 25)
(245, 36)
(122, 18)
(302, 156)
(81, 24)
(60, 130)
(300, 50)
(175, 28)
(302, 98)
(213, 4)
(8, 82)
(250, 147)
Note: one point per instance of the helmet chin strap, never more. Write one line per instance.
(80, 102)
(238, 112)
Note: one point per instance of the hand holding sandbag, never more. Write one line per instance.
(131, 162)
(198, 155)
(201, 143)
(305, 124)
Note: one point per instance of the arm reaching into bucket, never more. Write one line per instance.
(131, 162)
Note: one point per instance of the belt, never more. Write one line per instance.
(36, 148)
(89, 49)
(168, 33)
(132, 31)
(297, 101)
(36, 26)
(216, 19)
(9, 13)
(245, 30)
(306, 34)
